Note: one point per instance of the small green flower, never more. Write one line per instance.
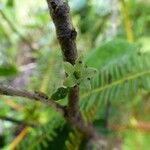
(78, 74)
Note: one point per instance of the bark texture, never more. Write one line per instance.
(66, 35)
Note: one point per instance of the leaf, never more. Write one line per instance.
(109, 52)
(79, 59)
(70, 81)
(60, 93)
(120, 81)
(89, 72)
(78, 73)
(8, 70)
(79, 63)
(69, 68)
(10, 3)
(86, 84)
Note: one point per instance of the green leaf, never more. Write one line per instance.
(79, 63)
(69, 68)
(10, 3)
(86, 84)
(60, 93)
(79, 59)
(70, 81)
(8, 70)
(109, 52)
(89, 72)
(78, 73)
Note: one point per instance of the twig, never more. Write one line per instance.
(66, 34)
(9, 91)
(17, 140)
(87, 129)
(140, 126)
(127, 21)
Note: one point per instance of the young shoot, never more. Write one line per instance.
(78, 74)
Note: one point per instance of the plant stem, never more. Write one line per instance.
(9, 91)
(66, 35)
(127, 22)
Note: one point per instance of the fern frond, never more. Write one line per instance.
(89, 115)
(75, 137)
(74, 140)
(41, 136)
(119, 80)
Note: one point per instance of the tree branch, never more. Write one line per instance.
(9, 91)
(66, 34)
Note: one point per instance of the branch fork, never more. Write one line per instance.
(66, 35)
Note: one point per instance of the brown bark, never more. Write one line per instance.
(9, 91)
(66, 34)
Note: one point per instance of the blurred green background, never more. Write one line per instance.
(114, 37)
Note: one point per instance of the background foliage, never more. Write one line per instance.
(114, 37)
